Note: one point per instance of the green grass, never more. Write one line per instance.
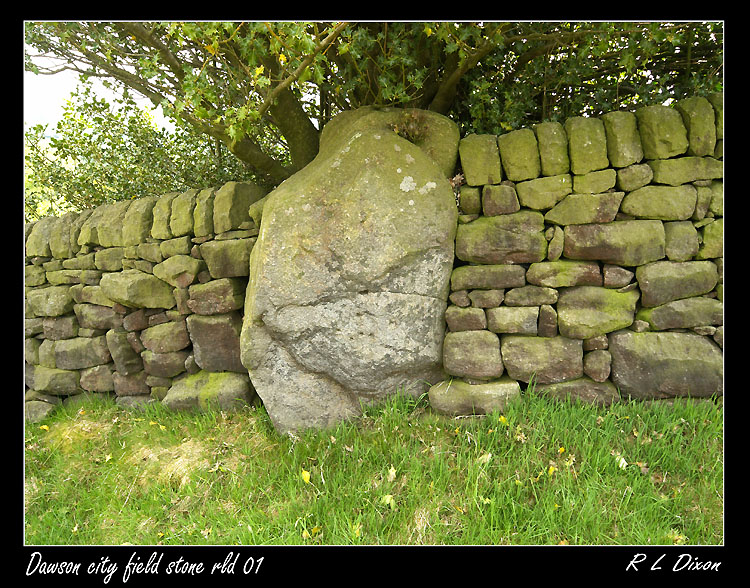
(543, 473)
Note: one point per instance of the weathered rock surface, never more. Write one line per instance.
(352, 249)
(661, 365)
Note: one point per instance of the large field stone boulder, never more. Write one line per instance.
(662, 365)
(350, 275)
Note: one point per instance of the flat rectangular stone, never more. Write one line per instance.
(628, 243)
(468, 277)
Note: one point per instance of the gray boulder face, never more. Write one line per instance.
(349, 278)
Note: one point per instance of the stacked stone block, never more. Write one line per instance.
(589, 260)
(140, 299)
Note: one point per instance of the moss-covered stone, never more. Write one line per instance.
(712, 245)
(231, 204)
(544, 193)
(681, 239)
(56, 381)
(578, 209)
(110, 228)
(583, 389)
(138, 221)
(662, 365)
(587, 144)
(508, 238)
(623, 140)
(531, 296)
(37, 243)
(480, 159)
(634, 176)
(59, 238)
(681, 170)
(499, 199)
(661, 202)
(162, 213)
(683, 314)
(166, 337)
(109, 259)
(470, 199)
(700, 122)
(545, 359)
(203, 213)
(553, 148)
(228, 259)
(137, 289)
(513, 319)
(717, 102)
(468, 277)
(81, 352)
(472, 354)
(179, 270)
(465, 318)
(519, 154)
(52, 301)
(181, 214)
(564, 273)
(217, 296)
(584, 312)
(663, 281)
(662, 131)
(595, 182)
(627, 242)
(205, 391)
(455, 397)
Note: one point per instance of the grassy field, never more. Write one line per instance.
(544, 473)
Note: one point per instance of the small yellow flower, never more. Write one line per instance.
(551, 470)
(44, 427)
(259, 70)
(282, 58)
(503, 420)
(561, 450)
(306, 476)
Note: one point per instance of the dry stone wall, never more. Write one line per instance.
(589, 260)
(140, 299)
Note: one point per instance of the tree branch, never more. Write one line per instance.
(302, 67)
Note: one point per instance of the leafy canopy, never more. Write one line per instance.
(100, 152)
(265, 89)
